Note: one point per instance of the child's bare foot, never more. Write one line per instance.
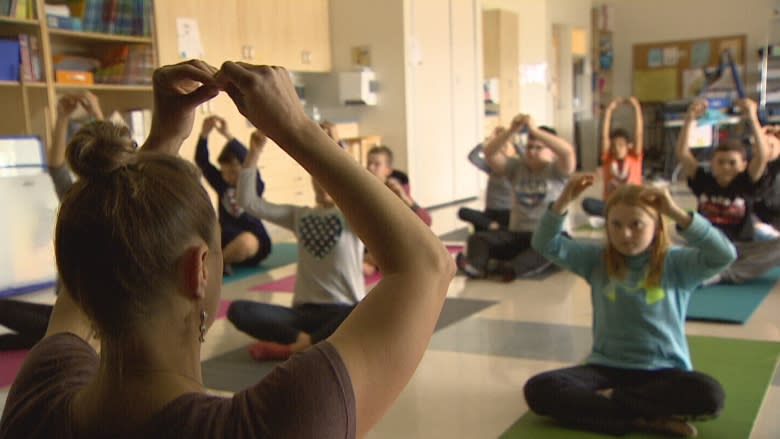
(667, 426)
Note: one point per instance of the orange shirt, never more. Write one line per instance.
(617, 173)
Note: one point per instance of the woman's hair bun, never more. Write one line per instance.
(99, 148)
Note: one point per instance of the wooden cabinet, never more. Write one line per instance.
(359, 146)
(291, 34)
(294, 34)
(500, 53)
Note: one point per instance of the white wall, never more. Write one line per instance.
(535, 35)
(669, 20)
(444, 97)
(535, 27)
(379, 25)
(566, 15)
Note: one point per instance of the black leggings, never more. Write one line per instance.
(569, 396)
(482, 219)
(28, 321)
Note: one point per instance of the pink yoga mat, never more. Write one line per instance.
(222, 308)
(10, 363)
(287, 284)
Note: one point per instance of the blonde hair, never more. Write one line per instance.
(630, 195)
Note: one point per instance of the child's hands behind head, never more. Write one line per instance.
(222, 127)
(67, 105)
(661, 200)
(266, 96)
(257, 141)
(614, 103)
(90, 103)
(209, 123)
(747, 107)
(696, 109)
(521, 121)
(577, 184)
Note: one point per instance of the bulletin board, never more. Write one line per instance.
(665, 71)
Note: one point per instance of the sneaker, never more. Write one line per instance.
(469, 270)
(269, 351)
(668, 426)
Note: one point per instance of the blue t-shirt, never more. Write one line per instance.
(637, 326)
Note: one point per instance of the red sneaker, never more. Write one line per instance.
(269, 351)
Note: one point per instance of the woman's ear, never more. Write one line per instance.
(194, 271)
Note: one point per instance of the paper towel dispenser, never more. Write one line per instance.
(358, 88)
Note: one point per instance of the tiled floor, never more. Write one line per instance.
(469, 382)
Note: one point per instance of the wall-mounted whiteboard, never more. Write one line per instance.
(28, 216)
(21, 156)
(26, 231)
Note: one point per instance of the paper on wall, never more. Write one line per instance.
(188, 36)
(671, 56)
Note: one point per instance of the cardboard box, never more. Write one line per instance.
(74, 77)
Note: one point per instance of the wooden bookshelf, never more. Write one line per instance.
(63, 34)
(32, 84)
(36, 101)
(106, 87)
(4, 19)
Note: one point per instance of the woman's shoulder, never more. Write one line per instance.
(311, 392)
(53, 371)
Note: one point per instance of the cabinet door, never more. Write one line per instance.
(295, 35)
(217, 26)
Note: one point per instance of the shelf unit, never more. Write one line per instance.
(769, 62)
(39, 99)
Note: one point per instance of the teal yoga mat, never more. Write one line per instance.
(283, 253)
(743, 367)
(731, 303)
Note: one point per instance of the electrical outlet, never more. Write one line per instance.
(305, 57)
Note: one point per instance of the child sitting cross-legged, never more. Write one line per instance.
(726, 193)
(638, 375)
(329, 278)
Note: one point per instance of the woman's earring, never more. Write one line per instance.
(203, 316)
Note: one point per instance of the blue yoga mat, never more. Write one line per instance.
(283, 253)
(731, 303)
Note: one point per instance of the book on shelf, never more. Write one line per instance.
(25, 59)
(122, 17)
(22, 9)
(127, 64)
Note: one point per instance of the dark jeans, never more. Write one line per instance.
(753, 259)
(28, 321)
(482, 219)
(281, 324)
(593, 206)
(569, 396)
(504, 245)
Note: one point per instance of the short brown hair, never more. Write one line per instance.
(227, 156)
(382, 149)
(123, 225)
(730, 145)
